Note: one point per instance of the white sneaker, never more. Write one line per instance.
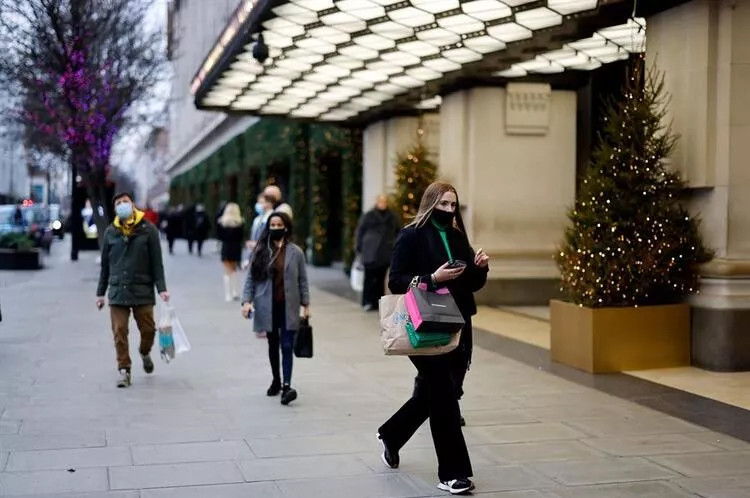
(456, 486)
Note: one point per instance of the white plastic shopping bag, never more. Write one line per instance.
(181, 343)
(166, 337)
(357, 277)
(172, 337)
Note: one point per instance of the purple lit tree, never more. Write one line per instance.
(77, 71)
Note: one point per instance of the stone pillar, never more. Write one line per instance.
(511, 153)
(382, 141)
(703, 47)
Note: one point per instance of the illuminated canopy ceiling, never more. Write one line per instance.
(356, 60)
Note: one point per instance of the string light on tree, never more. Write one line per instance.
(630, 242)
(414, 172)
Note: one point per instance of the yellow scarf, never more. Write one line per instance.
(130, 224)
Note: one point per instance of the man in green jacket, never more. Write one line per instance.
(131, 268)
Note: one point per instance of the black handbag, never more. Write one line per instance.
(303, 340)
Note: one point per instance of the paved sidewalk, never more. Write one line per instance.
(203, 427)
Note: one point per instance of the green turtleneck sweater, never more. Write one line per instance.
(444, 236)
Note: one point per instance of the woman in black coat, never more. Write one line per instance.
(435, 248)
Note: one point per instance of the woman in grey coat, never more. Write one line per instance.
(276, 294)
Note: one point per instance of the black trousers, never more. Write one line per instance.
(434, 398)
(374, 287)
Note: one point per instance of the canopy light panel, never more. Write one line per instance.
(332, 60)
(605, 46)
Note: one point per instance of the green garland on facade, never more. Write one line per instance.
(299, 148)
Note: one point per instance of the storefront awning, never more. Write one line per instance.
(357, 60)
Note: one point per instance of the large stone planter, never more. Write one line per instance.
(607, 340)
(11, 259)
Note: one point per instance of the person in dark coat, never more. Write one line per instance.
(174, 227)
(375, 235)
(202, 227)
(435, 249)
(131, 268)
(231, 233)
(188, 222)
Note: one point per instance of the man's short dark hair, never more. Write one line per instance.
(120, 195)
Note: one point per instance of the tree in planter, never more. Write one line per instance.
(414, 173)
(76, 70)
(630, 242)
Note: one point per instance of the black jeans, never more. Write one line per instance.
(280, 336)
(435, 398)
(374, 287)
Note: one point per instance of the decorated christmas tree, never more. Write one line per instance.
(414, 173)
(630, 241)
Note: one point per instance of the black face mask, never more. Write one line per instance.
(444, 218)
(277, 233)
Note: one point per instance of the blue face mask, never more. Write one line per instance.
(124, 210)
(259, 208)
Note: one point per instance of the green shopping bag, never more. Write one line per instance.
(426, 339)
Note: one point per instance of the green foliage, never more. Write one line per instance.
(630, 241)
(17, 241)
(414, 173)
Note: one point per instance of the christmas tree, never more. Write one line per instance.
(414, 173)
(630, 242)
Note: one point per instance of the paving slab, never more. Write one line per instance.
(655, 444)
(602, 471)
(247, 490)
(202, 426)
(707, 464)
(53, 481)
(191, 452)
(182, 474)
(68, 459)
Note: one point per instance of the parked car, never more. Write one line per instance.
(34, 221)
(8, 222)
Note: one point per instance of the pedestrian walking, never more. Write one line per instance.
(174, 227)
(279, 205)
(131, 266)
(375, 235)
(435, 248)
(275, 295)
(231, 233)
(263, 209)
(202, 227)
(188, 223)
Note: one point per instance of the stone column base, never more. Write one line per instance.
(721, 317)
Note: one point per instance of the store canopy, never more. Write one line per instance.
(359, 60)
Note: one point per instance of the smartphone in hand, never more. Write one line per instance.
(457, 263)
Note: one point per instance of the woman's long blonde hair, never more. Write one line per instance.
(231, 217)
(432, 195)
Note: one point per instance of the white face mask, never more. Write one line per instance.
(124, 210)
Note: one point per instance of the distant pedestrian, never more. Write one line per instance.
(263, 209)
(151, 215)
(173, 227)
(375, 235)
(231, 233)
(276, 293)
(131, 266)
(279, 205)
(435, 248)
(201, 228)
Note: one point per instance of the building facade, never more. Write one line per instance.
(15, 182)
